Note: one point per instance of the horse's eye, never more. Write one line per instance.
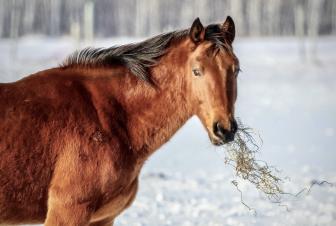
(196, 72)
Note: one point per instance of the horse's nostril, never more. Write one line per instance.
(220, 131)
(234, 126)
(224, 134)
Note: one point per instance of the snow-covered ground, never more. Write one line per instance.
(289, 100)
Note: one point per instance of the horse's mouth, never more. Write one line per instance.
(218, 141)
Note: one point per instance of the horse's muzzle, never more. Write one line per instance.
(225, 135)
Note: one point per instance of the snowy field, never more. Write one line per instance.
(291, 102)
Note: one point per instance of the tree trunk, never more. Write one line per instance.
(299, 30)
(314, 7)
(88, 20)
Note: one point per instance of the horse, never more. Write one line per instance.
(74, 138)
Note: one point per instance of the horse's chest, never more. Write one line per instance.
(117, 203)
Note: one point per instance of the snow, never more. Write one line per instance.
(290, 101)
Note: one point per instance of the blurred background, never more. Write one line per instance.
(287, 52)
(105, 18)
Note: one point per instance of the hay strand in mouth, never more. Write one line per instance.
(241, 154)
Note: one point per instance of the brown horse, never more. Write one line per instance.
(73, 139)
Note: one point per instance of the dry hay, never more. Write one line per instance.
(241, 154)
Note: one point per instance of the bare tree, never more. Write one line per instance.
(2, 15)
(88, 20)
(28, 16)
(254, 7)
(55, 8)
(201, 10)
(14, 26)
(140, 17)
(299, 28)
(333, 17)
(75, 19)
(186, 14)
(236, 10)
(154, 16)
(314, 7)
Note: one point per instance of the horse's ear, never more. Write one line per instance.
(229, 29)
(197, 31)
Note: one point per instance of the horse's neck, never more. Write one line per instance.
(162, 112)
(157, 121)
(151, 114)
(155, 124)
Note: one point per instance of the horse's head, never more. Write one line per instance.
(213, 70)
